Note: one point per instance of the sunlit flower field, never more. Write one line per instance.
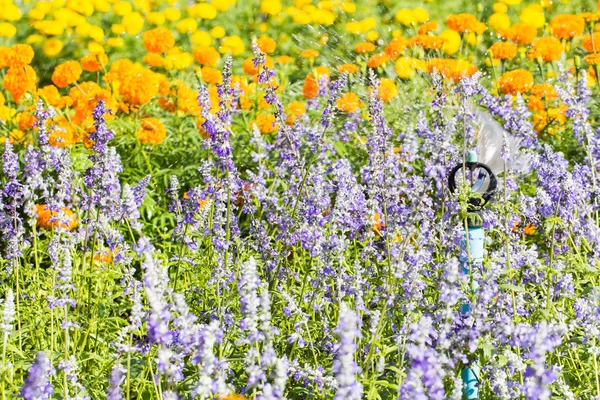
(251, 199)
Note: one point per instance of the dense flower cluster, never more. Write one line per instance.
(236, 200)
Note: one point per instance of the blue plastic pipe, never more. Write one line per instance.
(476, 237)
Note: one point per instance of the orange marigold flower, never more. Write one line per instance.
(387, 89)
(428, 42)
(349, 68)
(592, 59)
(451, 68)
(544, 90)
(295, 109)
(377, 60)
(566, 26)
(266, 45)
(84, 99)
(137, 84)
(548, 48)
(428, 27)
(503, 50)
(94, 62)
(284, 59)
(266, 123)
(19, 55)
(349, 103)
(158, 40)
(250, 69)
(211, 75)
(155, 60)
(395, 47)
(206, 55)
(48, 219)
(364, 47)
(20, 80)
(64, 134)
(520, 33)
(152, 132)
(26, 121)
(50, 95)
(309, 54)
(591, 43)
(465, 23)
(66, 73)
(514, 82)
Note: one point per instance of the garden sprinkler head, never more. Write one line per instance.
(482, 181)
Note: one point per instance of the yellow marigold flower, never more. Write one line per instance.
(309, 54)
(520, 33)
(515, 82)
(50, 28)
(284, 59)
(405, 67)
(591, 43)
(451, 68)
(178, 60)
(118, 29)
(233, 44)
(152, 132)
(2, 99)
(590, 17)
(499, 21)
(465, 23)
(11, 12)
(349, 103)
(122, 8)
(133, 23)
(533, 15)
(201, 38)
(409, 17)
(7, 113)
(377, 60)
(354, 27)
(428, 27)
(94, 62)
(348, 68)
(20, 80)
(548, 48)
(323, 17)
(49, 219)
(203, 11)
(4, 56)
(266, 45)
(387, 90)
(395, 47)
(206, 55)
(270, 7)
(372, 36)
(7, 29)
(217, 32)
(500, 7)
(52, 47)
(18, 55)
(266, 123)
(172, 14)
(66, 73)
(223, 5)
(364, 47)
(96, 33)
(158, 40)
(503, 50)
(115, 42)
(155, 18)
(34, 39)
(428, 42)
(95, 47)
(566, 26)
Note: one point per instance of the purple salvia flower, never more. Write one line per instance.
(37, 386)
(335, 92)
(344, 366)
(117, 377)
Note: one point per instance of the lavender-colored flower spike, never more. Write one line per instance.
(37, 386)
(344, 367)
(117, 376)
